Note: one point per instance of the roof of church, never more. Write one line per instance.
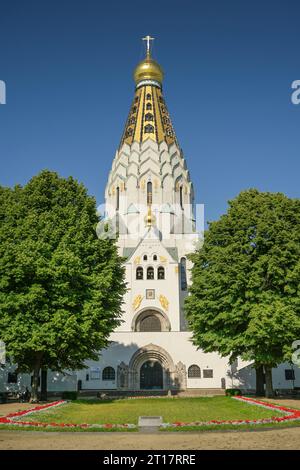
(148, 116)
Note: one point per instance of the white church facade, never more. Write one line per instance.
(149, 202)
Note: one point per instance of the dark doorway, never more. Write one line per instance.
(151, 376)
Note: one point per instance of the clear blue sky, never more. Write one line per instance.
(228, 67)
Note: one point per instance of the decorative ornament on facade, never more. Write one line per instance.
(185, 190)
(122, 375)
(164, 302)
(177, 186)
(137, 301)
(163, 259)
(180, 369)
(143, 185)
(113, 190)
(156, 184)
(137, 260)
(176, 269)
(122, 186)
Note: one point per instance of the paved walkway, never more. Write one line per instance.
(271, 439)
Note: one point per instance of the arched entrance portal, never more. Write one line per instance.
(160, 377)
(151, 376)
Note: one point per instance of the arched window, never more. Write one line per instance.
(139, 273)
(108, 373)
(149, 193)
(117, 198)
(149, 117)
(181, 197)
(149, 129)
(183, 280)
(150, 323)
(145, 257)
(194, 372)
(161, 273)
(150, 273)
(149, 106)
(133, 109)
(148, 96)
(154, 257)
(150, 320)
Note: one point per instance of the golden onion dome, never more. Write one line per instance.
(148, 69)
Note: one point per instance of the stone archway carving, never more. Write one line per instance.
(173, 376)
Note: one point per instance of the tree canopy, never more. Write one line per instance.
(61, 287)
(245, 294)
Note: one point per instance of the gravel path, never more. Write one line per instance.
(271, 439)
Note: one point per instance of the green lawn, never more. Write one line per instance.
(171, 409)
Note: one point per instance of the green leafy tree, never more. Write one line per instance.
(245, 294)
(61, 287)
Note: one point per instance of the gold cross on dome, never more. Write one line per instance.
(148, 39)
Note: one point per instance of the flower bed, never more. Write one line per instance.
(13, 419)
(16, 419)
(290, 414)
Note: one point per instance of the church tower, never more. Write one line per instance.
(149, 201)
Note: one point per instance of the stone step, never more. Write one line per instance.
(195, 392)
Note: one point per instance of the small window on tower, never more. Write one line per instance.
(139, 273)
(149, 106)
(183, 280)
(148, 96)
(149, 117)
(161, 273)
(134, 109)
(131, 120)
(181, 196)
(154, 257)
(129, 132)
(145, 257)
(149, 193)
(117, 198)
(150, 273)
(148, 129)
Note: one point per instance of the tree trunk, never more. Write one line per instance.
(44, 385)
(260, 380)
(269, 384)
(35, 379)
